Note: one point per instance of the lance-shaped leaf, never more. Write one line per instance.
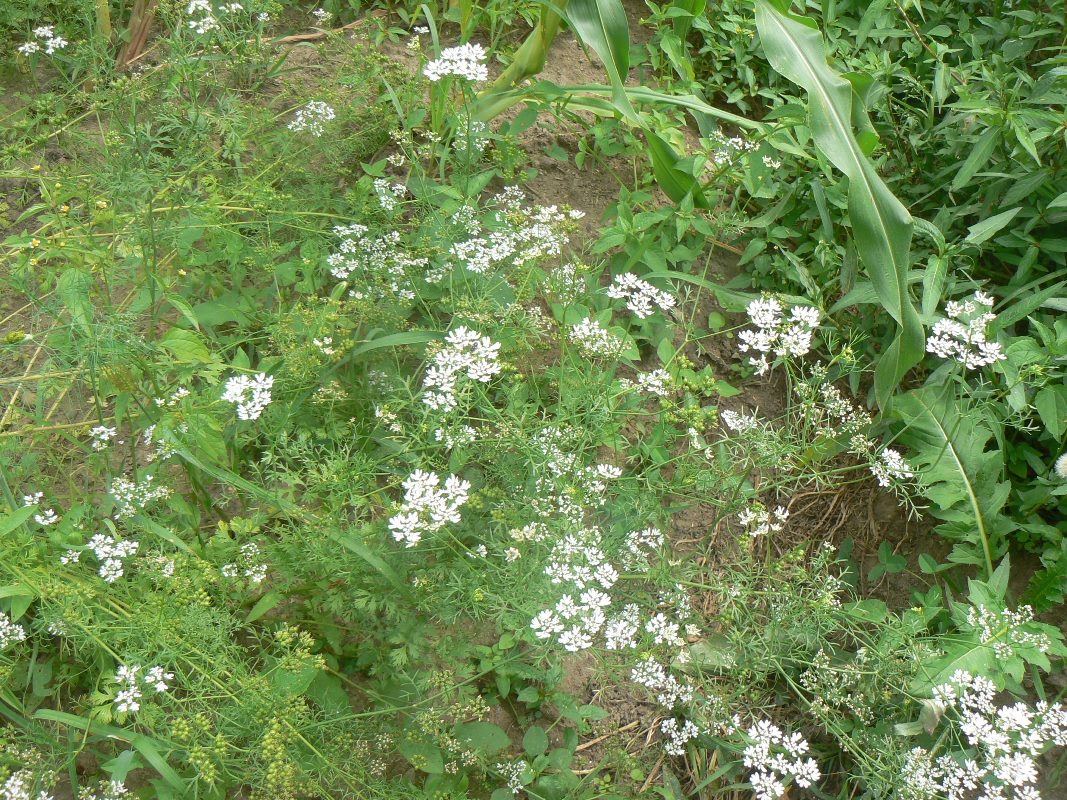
(881, 225)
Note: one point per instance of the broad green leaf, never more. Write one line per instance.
(1051, 405)
(187, 347)
(881, 225)
(73, 289)
(485, 737)
(423, 756)
(396, 340)
(535, 741)
(962, 479)
(16, 518)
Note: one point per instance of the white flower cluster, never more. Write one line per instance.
(676, 736)
(776, 333)
(1006, 629)
(426, 507)
(639, 546)
(465, 434)
(519, 235)
(389, 196)
(512, 773)
(248, 565)
(131, 497)
(466, 353)
(593, 341)
(963, 335)
(10, 632)
(163, 448)
(18, 786)
(45, 516)
(380, 266)
(826, 410)
(656, 382)
(101, 437)
(129, 696)
(566, 281)
(206, 21)
(774, 758)
(250, 395)
(312, 118)
(174, 399)
(669, 691)
(722, 150)
(762, 521)
(565, 484)
(1004, 742)
(47, 34)
(739, 422)
(111, 554)
(578, 560)
(465, 61)
(890, 467)
(641, 297)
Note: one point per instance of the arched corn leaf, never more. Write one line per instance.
(882, 227)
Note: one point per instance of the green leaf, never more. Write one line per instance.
(535, 741)
(1059, 202)
(396, 340)
(187, 347)
(1051, 405)
(989, 227)
(881, 225)
(966, 653)
(186, 310)
(485, 737)
(977, 158)
(149, 748)
(424, 757)
(263, 605)
(602, 26)
(961, 477)
(73, 289)
(356, 545)
(16, 518)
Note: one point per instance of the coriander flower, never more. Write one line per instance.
(593, 340)
(312, 118)
(101, 437)
(775, 333)
(640, 296)
(427, 506)
(467, 354)
(250, 395)
(962, 336)
(464, 61)
(10, 632)
(890, 466)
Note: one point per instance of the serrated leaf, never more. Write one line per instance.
(961, 477)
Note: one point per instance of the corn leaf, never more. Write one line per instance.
(882, 227)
